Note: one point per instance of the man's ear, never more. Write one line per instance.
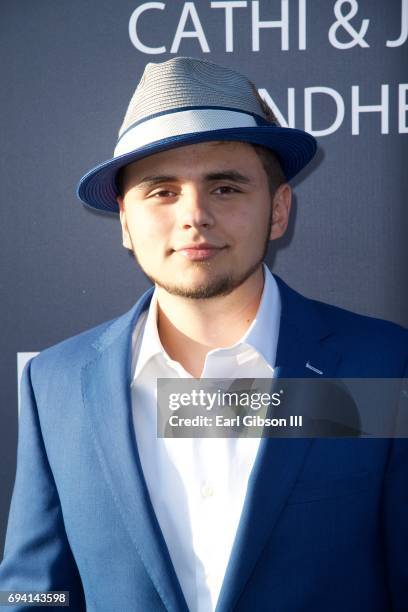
(281, 204)
(126, 241)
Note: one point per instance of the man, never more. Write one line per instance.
(127, 521)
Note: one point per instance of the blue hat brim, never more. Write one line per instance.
(295, 149)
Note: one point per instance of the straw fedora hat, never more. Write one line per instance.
(185, 101)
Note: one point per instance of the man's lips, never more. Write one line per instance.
(199, 252)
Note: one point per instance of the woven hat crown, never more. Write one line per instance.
(185, 82)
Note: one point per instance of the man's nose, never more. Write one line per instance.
(194, 209)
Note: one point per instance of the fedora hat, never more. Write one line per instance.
(186, 101)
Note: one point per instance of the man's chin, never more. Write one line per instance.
(200, 290)
(206, 288)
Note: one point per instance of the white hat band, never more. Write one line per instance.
(181, 122)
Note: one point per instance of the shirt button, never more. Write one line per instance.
(207, 491)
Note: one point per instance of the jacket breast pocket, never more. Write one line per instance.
(319, 489)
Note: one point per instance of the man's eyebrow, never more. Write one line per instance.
(151, 181)
(228, 175)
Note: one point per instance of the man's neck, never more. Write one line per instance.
(190, 328)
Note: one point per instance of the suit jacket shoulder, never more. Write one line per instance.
(72, 353)
(368, 346)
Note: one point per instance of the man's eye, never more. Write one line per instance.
(163, 193)
(225, 189)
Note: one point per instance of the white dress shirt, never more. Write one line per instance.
(197, 485)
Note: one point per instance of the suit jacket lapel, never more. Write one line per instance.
(302, 349)
(279, 460)
(106, 393)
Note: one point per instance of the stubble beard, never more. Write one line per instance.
(214, 287)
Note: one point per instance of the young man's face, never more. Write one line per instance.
(199, 217)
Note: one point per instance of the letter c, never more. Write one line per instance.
(133, 27)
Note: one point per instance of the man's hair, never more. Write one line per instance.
(269, 159)
(272, 167)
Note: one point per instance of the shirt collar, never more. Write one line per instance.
(262, 334)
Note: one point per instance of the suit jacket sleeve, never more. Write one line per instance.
(37, 554)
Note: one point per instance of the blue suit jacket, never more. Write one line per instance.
(325, 522)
